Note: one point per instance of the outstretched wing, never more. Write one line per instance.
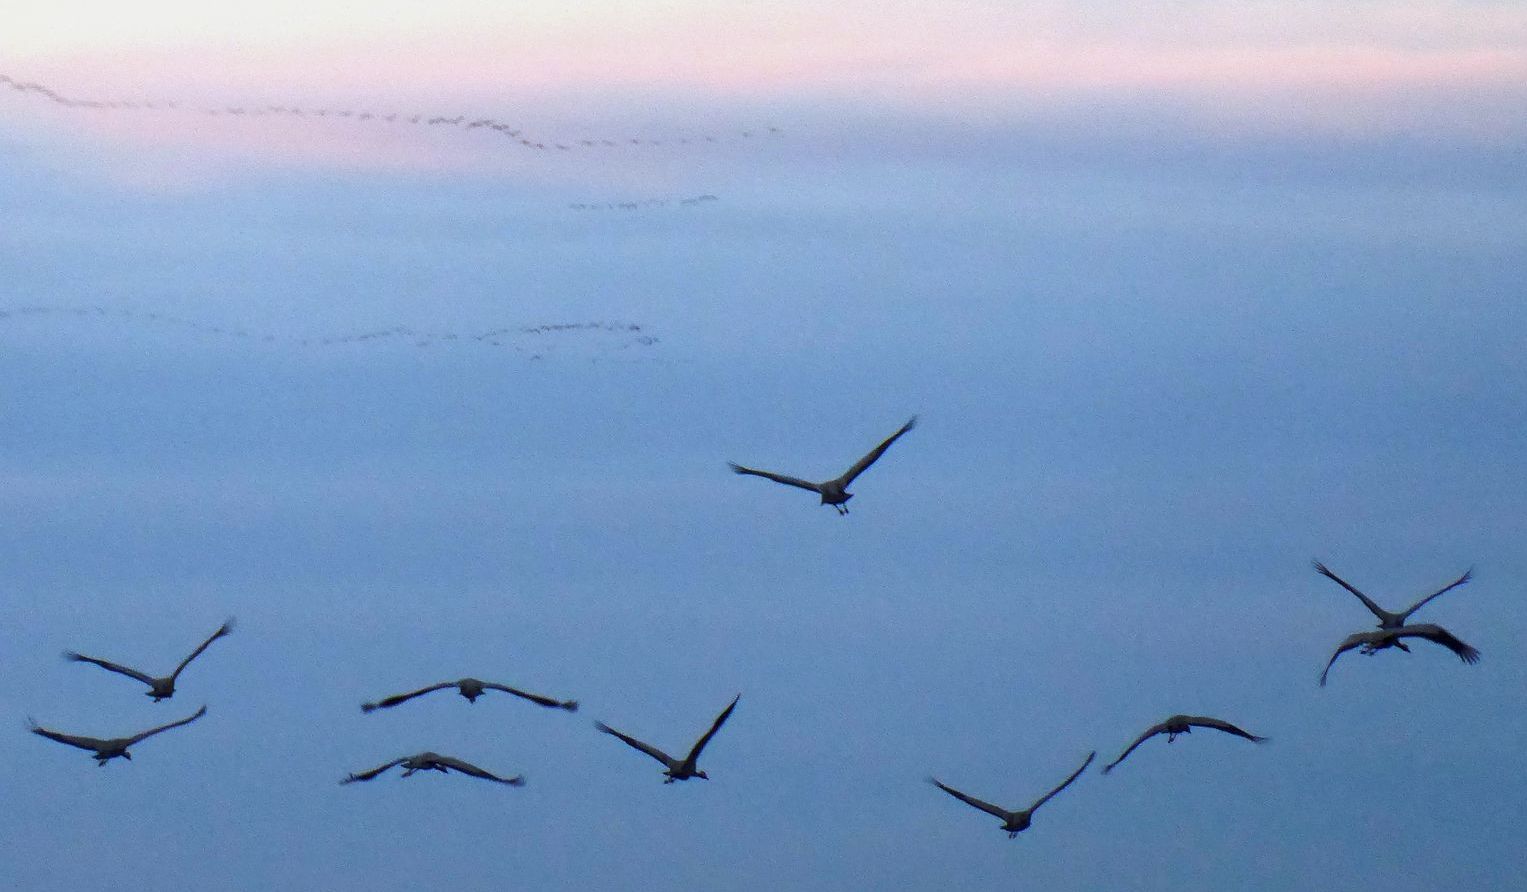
(222, 630)
(1439, 635)
(569, 705)
(1066, 783)
(394, 700)
(368, 775)
(152, 731)
(468, 768)
(1467, 575)
(109, 666)
(983, 805)
(1346, 644)
(777, 478)
(84, 743)
(1325, 571)
(863, 463)
(647, 748)
(1204, 721)
(1150, 732)
(694, 752)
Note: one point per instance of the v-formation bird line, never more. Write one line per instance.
(510, 131)
(1393, 629)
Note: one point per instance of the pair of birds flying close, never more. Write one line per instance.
(834, 492)
(1395, 627)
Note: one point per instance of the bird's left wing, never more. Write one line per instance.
(185, 721)
(222, 630)
(1066, 783)
(863, 463)
(468, 768)
(550, 702)
(694, 752)
(1204, 721)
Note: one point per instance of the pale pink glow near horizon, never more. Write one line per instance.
(685, 65)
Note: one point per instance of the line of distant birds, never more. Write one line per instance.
(1393, 629)
(537, 338)
(462, 122)
(643, 204)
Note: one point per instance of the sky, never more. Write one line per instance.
(1184, 296)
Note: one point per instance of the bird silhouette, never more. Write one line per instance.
(161, 688)
(833, 492)
(1182, 724)
(427, 761)
(1388, 620)
(677, 769)
(115, 747)
(1373, 642)
(1014, 822)
(471, 689)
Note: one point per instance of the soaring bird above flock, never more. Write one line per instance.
(158, 688)
(1014, 822)
(111, 748)
(471, 689)
(833, 492)
(1373, 642)
(428, 761)
(1388, 620)
(1182, 724)
(677, 769)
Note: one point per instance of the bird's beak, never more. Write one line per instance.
(127, 756)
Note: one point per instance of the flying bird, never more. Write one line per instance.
(1373, 642)
(1182, 724)
(471, 689)
(1014, 822)
(1388, 620)
(677, 769)
(428, 761)
(833, 492)
(159, 688)
(106, 750)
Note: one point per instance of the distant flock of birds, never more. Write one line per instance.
(534, 340)
(1393, 629)
(643, 204)
(462, 122)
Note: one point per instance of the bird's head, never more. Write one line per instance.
(127, 755)
(702, 775)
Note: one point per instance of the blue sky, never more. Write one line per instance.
(1159, 367)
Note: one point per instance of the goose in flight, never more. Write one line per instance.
(833, 492)
(1014, 822)
(158, 688)
(677, 769)
(1182, 724)
(106, 750)
(428, 761)
(471, 689)
(1389, 620)
(1373, 642)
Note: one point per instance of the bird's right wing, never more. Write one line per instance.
(470, 769)
(647, 748)
(549, 702)
(874, 454)
(368, 775)
(694, 751)
(84, 743)
(394, 700)
(1325, 571)
(1066, 783)
(152, 731)
(1468, 574)
(1150, 732)
(109, 666)
(1346, 644)
(1438, 635)
(222, 630)
(777, 478)
(983, 805)
(1204, 721)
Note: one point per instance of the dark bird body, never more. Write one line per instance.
(116, 747)
(677, 769)
(833, 492)
(1014, 822)
(428, 761)
(158, 688)
(471, 689)
(1382, 639)
(1388, 620)
(1182, 724)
